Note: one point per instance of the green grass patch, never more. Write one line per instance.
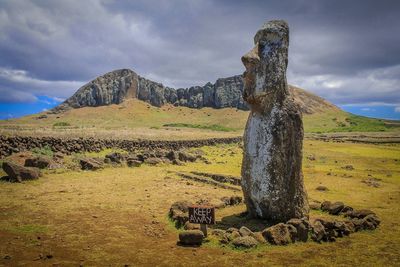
(346, 122)
(61, 124)
(27, 229)
(213, 127)
(45, 151)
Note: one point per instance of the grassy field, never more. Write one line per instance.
(137, 119)
(118, 215)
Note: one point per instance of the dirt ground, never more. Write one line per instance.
(118, 216)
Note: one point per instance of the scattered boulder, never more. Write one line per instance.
(348, 167)
(232, 229)
(322, 188)
(191, 226)
(91, 164)
(191, 237)
(115, 157)
(18, 173)
(133, 162)
(349, 227)
(311, 157)
(346, 209)
(302, 227)
(359, 214)
(40, 162)
(153, 161)
(218, 232)
(232, 235)
(179, 213)
(184, 156)
(172, 155)
(244, 242)
(318, 232)
(40, 117)
(373, 182)
(325, 205)
(369, 222)
(335, 208)
(315, 205)
(277, 234)
(244, 231)
(259, 237)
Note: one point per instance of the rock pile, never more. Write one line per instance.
(328, 230)
(294, 230)
(151, 157)
(14, 144)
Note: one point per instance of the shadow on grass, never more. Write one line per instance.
(241, 219)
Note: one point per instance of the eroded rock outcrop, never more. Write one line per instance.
(272, 180)
(118, 85)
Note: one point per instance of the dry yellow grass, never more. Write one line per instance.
(135, 119)
(117, 216)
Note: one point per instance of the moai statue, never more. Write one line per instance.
(272, 179)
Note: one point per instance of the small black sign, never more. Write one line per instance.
(202, 214)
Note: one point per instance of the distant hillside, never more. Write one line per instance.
(122, 104)
(117, 86)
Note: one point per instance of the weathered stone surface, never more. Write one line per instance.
(90, 164)
(321, 188)
(272, 179)
(336, 208)
(153, 161)
(133, 162)
(118, 85)
(278, 234)
(38, 162)
(232, 235)
(218, 232)
(17, 173)
(184, 156)
(115, 157)
(302, 228)
(318, 232)
(360, 214)
(244, 231)
(191, 237)
(191, 226)
(179, 212)
(245, 242)
(111, 88)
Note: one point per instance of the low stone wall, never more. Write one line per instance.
(14, 144)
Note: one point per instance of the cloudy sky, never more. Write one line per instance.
(345, 51)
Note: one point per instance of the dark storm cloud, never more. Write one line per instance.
(346, 51)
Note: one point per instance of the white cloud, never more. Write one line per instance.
(381, 85)
(25, 88)
(397, 109)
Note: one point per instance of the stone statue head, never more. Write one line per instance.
(266, 63)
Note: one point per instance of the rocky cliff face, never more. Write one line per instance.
(116, 86)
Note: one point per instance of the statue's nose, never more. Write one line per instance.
(251, 57)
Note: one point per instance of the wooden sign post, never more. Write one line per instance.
(203, 215)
